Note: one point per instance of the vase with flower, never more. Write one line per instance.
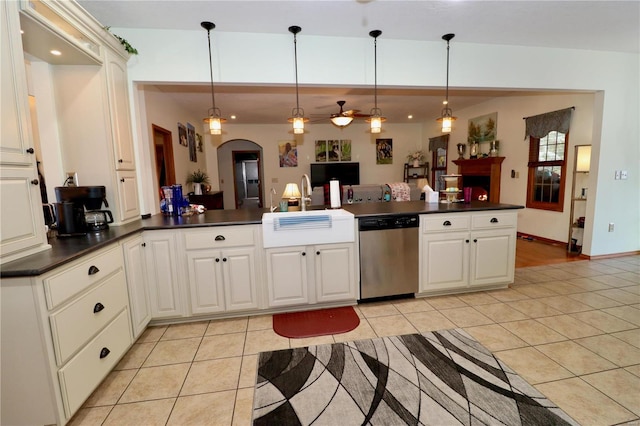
(415, 158)
(198, 178)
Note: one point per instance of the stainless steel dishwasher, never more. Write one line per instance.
(388, 255)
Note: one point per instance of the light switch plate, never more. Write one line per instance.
(623, 174)
(617, 175)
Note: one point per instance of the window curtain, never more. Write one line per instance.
(538, 126)
(438, 142)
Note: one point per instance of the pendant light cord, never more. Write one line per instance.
(375, 72)
(213, 96)
(447, 89)
(295, 55)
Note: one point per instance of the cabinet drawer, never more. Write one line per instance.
(62, 286)
(493, 220)
(87, 369)
(220, 237)
(439, 223)
(76, 323)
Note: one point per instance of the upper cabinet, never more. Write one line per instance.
(116, 69)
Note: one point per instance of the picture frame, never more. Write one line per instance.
(182, 135)
(384, 151)
(288, 153)
(332, 150)
(483, 128)
(191, 139)
(199, 142)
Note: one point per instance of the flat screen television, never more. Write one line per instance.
(346, 173)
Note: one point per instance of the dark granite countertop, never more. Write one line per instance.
(64, 250)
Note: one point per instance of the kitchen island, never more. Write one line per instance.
(70, 313)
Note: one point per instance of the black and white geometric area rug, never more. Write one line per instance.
(437, 378)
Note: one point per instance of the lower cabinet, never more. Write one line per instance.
(164, 270)
(62, 333)
(222, 280)
(311, 274)
(133, 250)
(465, 250)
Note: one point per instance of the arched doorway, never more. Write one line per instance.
(241, 173)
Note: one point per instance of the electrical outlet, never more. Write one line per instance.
(623, 174)
(72, 179)
(617, 177)
(611, 227)
(517, 175)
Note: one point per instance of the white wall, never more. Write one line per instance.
(265, 58)
(166, 114)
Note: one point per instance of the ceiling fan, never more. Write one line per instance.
(344, 118)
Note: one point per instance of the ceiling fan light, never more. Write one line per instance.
(341, 121)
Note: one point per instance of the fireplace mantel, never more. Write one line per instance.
(483, 172)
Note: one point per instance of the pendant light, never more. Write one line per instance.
(214, 120)
(297, 114)
(376, 117)
(446, 116)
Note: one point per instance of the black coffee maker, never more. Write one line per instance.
(76, 204)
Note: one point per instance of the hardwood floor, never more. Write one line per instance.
(535, 253)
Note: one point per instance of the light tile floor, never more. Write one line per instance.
(572, 330)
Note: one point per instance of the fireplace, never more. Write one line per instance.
(484, 173)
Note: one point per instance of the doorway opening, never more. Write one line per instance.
(163, 150)
(246, 179)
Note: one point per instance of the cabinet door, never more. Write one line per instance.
(287, 280)
(137, 284)
(15, 133)
(444, 261)
(205, 281)
(22, 229)
(239, 272)
(128, 195)
(163, 273)
(334, 269)
(116, 69)
(492, 256)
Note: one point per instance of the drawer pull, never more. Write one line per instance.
(99, 306)
(217, 259)
(104, 352)
(304, 254)
(318, 252)
(224, 259)
(220, 238)
(30, 150)
(35, 182)
(446, 223)
(475, 240)
(466, 241)
(93, 270)
(494, 220)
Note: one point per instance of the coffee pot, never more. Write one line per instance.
(98, 220)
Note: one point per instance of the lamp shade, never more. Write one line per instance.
(341, 120)
(583, 158)
(291, 191)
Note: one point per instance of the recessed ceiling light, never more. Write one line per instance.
(56, 52)
(233, 117)
(409, 116)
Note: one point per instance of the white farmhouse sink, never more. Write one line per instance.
(307, 228)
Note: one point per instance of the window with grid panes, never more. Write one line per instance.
(547, 166)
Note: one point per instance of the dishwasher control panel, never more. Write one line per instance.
(388, 222)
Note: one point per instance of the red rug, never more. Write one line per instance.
(316, 323)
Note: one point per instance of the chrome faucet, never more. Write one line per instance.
(305, 185)
(272, 192)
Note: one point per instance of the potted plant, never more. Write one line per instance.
(198, 178)
(415, 157)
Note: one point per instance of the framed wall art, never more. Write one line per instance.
(384, 151)
(191, 139)
(182, 135)
(288, 153)
(333, 150)
(483, 128)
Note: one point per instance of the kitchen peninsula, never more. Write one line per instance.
(78, 307)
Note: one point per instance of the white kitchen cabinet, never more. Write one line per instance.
(133, 250)
(129, 206)
(223, 268)
(335, 277)
(463, 251)
(165, 274)
(301, 275)
(116, 69)
(62, 333)
(287, 279)
(22, 230)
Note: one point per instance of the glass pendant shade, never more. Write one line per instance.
(298, 125)
(341, 120)
(376, 124)
(215, 126)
